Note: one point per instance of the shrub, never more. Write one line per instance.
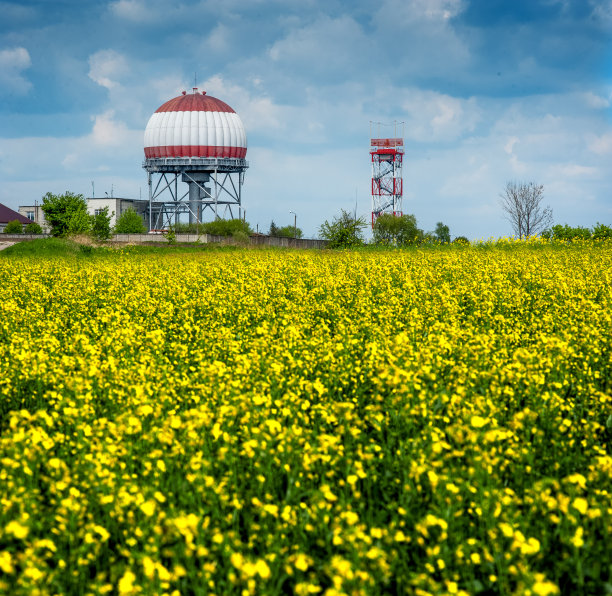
(288, 232)
(565, 232)
(100, 224)
(13, 227)
(130, 222)
(226, 227)
(33, 228)
(399, 230)
(600, 231)
(344, 231)
(461, 240)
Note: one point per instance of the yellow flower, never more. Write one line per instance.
(478, 421)
(580, 505)
(148, 508)
(262, 569)
(126, 583)
(6, 562)
(17, 530)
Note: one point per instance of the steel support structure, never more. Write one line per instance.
(213, 184)
(387, 183)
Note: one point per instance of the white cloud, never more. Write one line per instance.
(571, 170)
(602, 11)
(108, 131)
(219, 39)
(601, 145)
(327, 44)
(133, 10)
(411, 11)
(107, 67)
(592, 100)
(509, 146)
(12, 62)
(433, 116)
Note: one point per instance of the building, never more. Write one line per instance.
(35, 213)
(117, 206)
(7, 214)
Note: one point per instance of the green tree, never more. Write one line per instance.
(601, 231)
(33, 228)
(566, 232)
(288, 232)
(66, 214)
(399, 230)
(13, 227)
(130, 222)
(442, 233)
(273, 231)
(227, 227)
(344, 231)
(100, 224)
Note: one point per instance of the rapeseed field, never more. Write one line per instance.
(428, 421)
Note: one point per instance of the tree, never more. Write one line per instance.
(273, 231)
(344, 231)
(130, 222)
(227, 227)
(13, 227)
(601, 231)
(442, 233)
(66, 214)
(288, 232)
(565, 232)
(522, 204)
(399, 230)
(100, 224)
(33, 228)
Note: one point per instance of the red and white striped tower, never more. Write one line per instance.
(201, 139)
(387, 183)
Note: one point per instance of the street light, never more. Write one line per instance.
(294, 224)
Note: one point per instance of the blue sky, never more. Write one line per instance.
(489, 91)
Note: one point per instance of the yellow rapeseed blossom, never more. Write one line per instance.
(430, 420)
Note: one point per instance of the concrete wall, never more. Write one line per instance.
(210, 239)
(191, 238)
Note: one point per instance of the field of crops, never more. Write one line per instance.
(428, 421)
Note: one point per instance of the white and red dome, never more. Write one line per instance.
(195, 125)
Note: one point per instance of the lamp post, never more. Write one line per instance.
(294, 224)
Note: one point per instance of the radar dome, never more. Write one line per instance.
(195, 125)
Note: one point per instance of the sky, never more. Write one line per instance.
(489, 91)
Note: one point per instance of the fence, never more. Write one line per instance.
(191, 238)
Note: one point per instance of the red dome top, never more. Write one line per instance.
(195, 125)
(195, 102)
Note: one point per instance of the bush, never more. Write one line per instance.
(399, 230)
(130, 222)
(565, 232)
(226, 227)
(100, 224)
(344, 231)
(600, 232)
(33, 228)
(13, 227)
(288, 232)
(461, 240)
(66, 214)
